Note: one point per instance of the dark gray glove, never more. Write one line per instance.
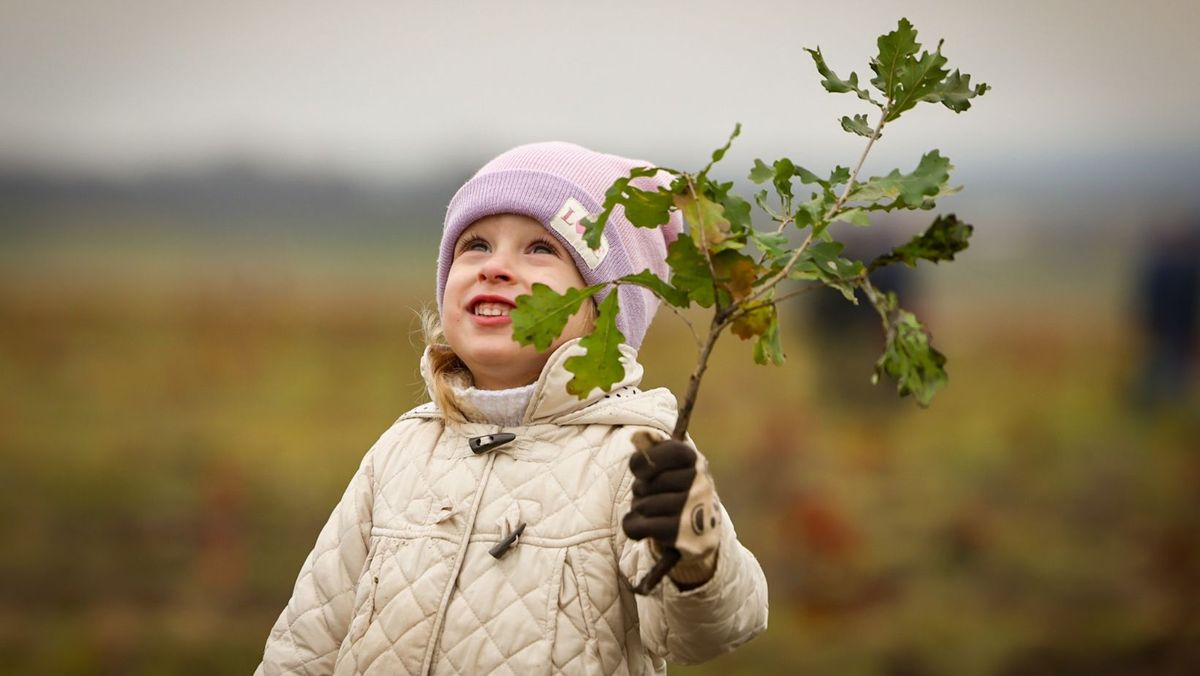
(675, 504)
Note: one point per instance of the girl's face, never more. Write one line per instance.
(496, 259)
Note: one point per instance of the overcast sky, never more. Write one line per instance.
(391, 89)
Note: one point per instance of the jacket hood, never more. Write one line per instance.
(551, 403)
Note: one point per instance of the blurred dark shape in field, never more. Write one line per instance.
(1168, 315)
(848, 338)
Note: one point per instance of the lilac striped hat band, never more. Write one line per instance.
(558, 185)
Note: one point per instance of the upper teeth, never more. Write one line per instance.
(492, 309)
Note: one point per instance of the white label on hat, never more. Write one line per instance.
(569, 223)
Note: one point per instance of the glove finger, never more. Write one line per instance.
(638, 526)
(660, 504)
(661, 457)
(669, 481)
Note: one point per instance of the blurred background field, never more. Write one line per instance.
(178, 422)
(217, 224)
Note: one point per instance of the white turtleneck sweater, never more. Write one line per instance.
(498, 407)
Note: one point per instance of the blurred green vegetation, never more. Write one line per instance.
(178, 418)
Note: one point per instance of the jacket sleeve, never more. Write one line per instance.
(310, 630)
(689, 627)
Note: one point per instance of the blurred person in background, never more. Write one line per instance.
(1168, 308)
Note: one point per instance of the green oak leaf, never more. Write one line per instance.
(761, 173)
(719, 153)
(812, 212)
(853, 215)
(809, 178)
(773, 244)
(906, 191)
(839, 175)
(601, 365)
(760, 198)
(909, 357)
(539, 317)
(649, 280)
(820, 262)
(648, 208)
(907, 79)
(956, 92)
(643, 208)
(784, 171)
(834, 84)
(896, 49)
(736, 210)
(945, 237)
(689, 271)
(859, 125)
(781, 174)
(918, 78)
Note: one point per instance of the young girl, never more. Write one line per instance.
(501, 527)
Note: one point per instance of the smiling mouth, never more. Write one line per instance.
(491, 310)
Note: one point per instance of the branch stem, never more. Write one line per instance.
(837, 206)
(833, 210)
(744, 310)
(693, 390)
(663, 301)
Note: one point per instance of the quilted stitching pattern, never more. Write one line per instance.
(554, 603)
(497, 622)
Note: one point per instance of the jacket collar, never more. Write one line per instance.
(552, 404)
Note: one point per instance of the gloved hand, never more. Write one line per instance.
(675, 504)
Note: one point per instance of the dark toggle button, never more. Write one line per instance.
(489, 441)
(503, 546)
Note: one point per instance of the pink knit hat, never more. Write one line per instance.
(558, 185)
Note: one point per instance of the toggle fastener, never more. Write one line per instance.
(504, 545)
(489, 441)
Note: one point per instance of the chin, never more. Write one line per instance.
(506, 362)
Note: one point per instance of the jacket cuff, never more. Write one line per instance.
(693, 571)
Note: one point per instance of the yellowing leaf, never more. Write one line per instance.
(767, 347)
(736, 273)
(706, 218)
(755, 322)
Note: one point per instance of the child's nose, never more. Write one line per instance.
(496, 269)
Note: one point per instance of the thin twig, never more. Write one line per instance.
(837, 205)
(693, 390)
(874, 296)
(861, 160)
(770, 283)
(691, 328)
(672, 308)
(744, 310)
(783, 223)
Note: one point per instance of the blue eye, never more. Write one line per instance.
(474, 243)
(543, 246)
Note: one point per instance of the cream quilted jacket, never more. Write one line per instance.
(401, 580)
